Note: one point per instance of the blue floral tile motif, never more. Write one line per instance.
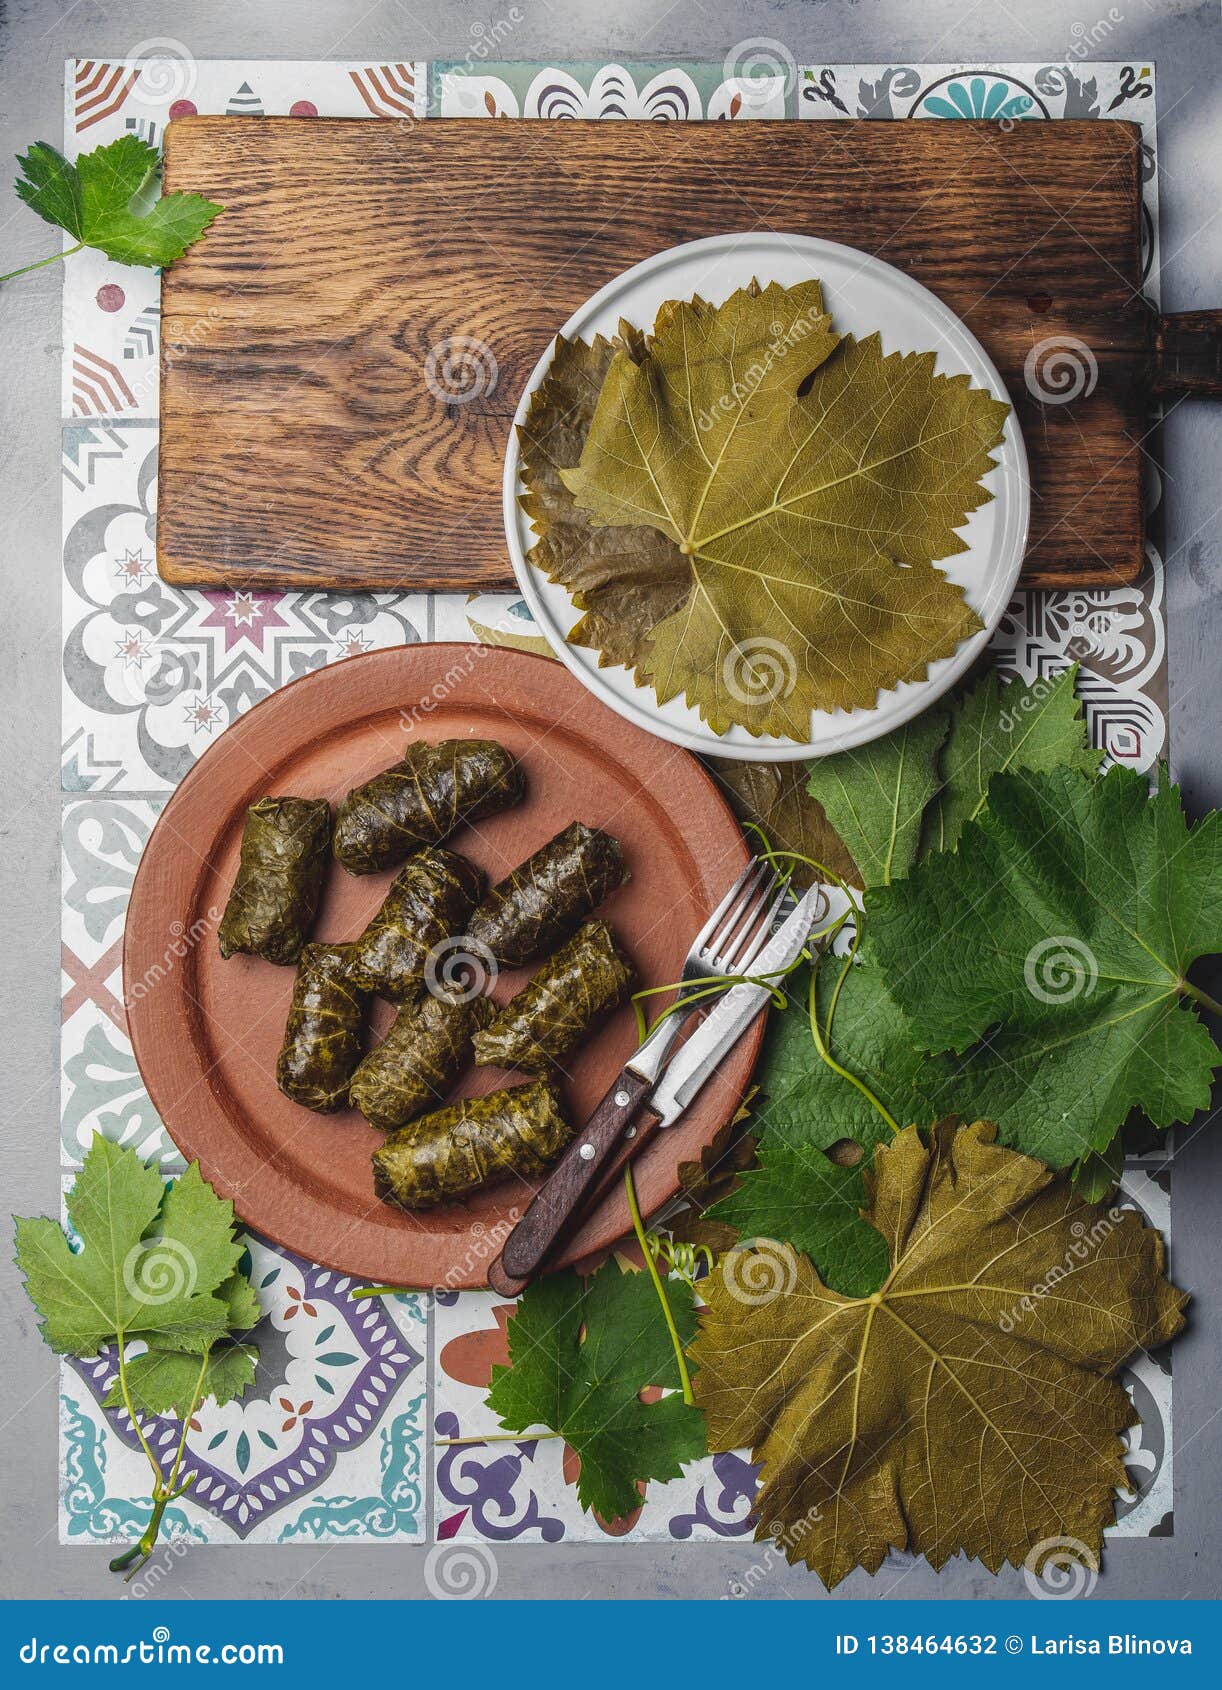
(999, 98)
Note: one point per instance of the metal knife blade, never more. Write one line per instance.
(723, 1026)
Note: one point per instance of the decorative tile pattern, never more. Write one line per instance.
(101, 1090)
(335, 1440)
(652, 91)
(525, 1490)
(111, 311)
(327, 1443)
(153, 673)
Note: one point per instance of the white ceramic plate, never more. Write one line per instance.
(863, 295)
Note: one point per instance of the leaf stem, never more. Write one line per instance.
(164, 1491)
(131, 1414)
(1203, 998)
(836, 1067)
(685, 1378)
(495, 1438)
(380, 1291)
(186, 1422)
(773, 856)
(38, 263)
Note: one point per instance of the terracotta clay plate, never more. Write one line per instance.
(206, 1032)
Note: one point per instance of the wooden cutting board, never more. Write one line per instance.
(303, 443)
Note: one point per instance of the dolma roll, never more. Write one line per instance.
(422, 799)
(429, 899)
(284, 859)
(526, 915)
(322, 1039)
(482, 1139)
(423, 1054)
(575, 989)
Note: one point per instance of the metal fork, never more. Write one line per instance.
(723, 949)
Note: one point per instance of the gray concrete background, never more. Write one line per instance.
(1185, 41)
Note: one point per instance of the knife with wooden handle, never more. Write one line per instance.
(636, 1107)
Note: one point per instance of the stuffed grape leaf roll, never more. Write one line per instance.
(421, 799)
(284, 859)
(416, 1064)
(453, 1151)
(322, 1039)
(575, 989)
(526, 915)
(429, 899)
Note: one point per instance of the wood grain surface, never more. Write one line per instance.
(302, 443)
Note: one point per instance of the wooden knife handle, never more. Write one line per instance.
(503, 1283)
(1188, 354)
(578, 1173)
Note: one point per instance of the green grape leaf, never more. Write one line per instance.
(971, 1404)
(1099, 1173)
(1036, 726)
(875, 796)
(238, 1295)
(51, 187)
(171, 1381)
(1051, 950)
(581, 1352)
(818, 1132)
(152, 1264)
(809, 482)
(103, 199)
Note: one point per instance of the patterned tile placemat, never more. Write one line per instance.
(338, 1437)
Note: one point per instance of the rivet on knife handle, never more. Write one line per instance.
(576, 1174)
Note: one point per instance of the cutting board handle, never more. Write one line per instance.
(1188, 354)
